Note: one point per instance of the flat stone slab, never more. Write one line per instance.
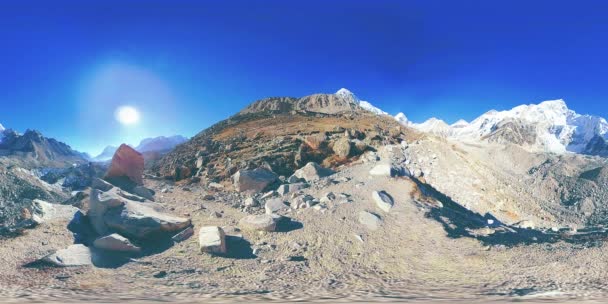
(264, 222)
(115, 242)
(74, 255)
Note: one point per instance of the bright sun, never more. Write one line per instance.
(127, 115)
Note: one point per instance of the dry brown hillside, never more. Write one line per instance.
(275, 136)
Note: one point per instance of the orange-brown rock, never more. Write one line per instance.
(126, 163)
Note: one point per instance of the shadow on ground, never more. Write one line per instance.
(460, 222)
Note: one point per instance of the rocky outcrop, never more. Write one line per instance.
(127, 167)
(109, 211)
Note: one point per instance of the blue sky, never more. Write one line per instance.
(67, 65)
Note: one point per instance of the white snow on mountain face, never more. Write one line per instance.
(155, 144)
(558, 129)
(402, 119)
(1, 128)
(348, 95)
(161, 143)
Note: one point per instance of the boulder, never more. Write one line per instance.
(383, 200)
(108, 211)
(100, 184)
(253, 180)
(251, 202)
(74, 255)
(264, 222)
(388, 170)
(342, 147)
(275, 205)
(288, 188)
(115, 242)
(312, 172)
(212, 239)
(140, 221)
(99, 203)
(127, 167)
(315, 141)
(369, 220)
(183, 235)
(144, 192)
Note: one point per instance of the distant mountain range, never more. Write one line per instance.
(549, 126)
(33, 149)
(160, 144)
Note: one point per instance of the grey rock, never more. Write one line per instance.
(183, 235)
(251, 202)
(262, 222)
(253, 180)
(74, 255)
(212, 239)
(115, 242)
(383, 200)
(388, 170)
(144, 192)
(312, 172)
(100, 184)
(369, 220)
(275, 205)
(342, 147)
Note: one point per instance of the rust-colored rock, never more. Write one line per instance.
(126, 163)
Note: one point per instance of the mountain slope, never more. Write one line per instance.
(33, 149)
(282, 134)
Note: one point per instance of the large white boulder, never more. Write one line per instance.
(253, 180)
(212, 239)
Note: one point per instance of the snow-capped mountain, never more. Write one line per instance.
(160, 144)
(348, 95)
(548, 126)
(106, 154)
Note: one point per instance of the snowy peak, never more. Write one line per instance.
(349, 96)
(550, 126)
(402, 119)
(1, 128)
(460, 124)
(346, 94)
(161, 143)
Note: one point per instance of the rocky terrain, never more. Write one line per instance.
(322, 198)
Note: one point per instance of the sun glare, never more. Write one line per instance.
(127, 115)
